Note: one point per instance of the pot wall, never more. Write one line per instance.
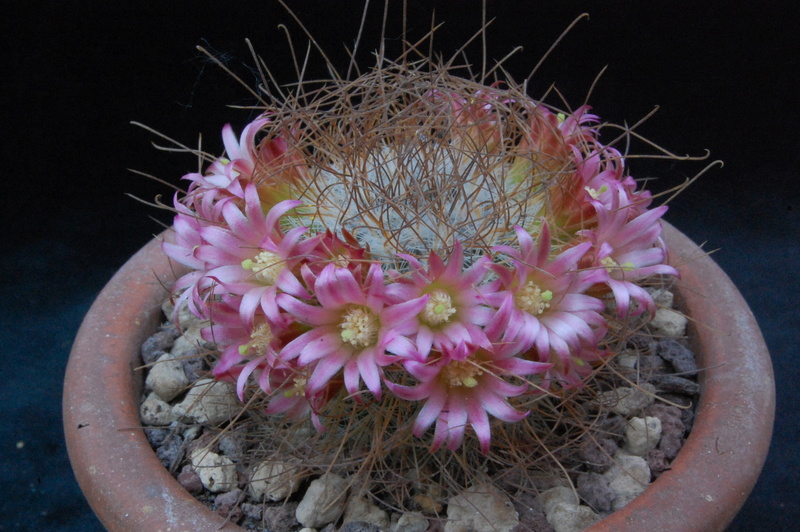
(129, 489)
(716, 469)
(120, 475)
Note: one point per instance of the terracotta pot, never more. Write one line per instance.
(129, 489)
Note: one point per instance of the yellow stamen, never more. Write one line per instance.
(266, 266)
(531, 299)
(299, 388)
(260, 339)
(595, 194)
(359, 327)
(458, 373)
(610, 264)
(439, 309)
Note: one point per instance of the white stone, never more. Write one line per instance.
(359, 509)
(167, 378)
(642, 435)
(274, 480)
(188, 344)
(209, 402)
(217, 473)
(628, 477)
(662, 297)
(155, 411)
(627, 359)
(481, 508)
(323, 502)
(572, 517)
(411, 522)
(549, 499)
(627, 401)
(668, 323)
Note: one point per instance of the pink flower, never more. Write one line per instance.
(570, 371)
(329, 248)
(272, 164)
(251, 256)
(546, 151)
(351, 329)
(285, 384)
(551, 309)
(455, 311)
(461, 385)
(225, 178)
(239, 342)
(291, 397)
(629, 249)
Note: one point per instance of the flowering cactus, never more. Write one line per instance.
(458, 247)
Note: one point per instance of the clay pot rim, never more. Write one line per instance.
(129, 489)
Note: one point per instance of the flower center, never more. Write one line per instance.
(260, 339)
(266, 267)
(611, 265)
(299, 388)
(359, 327)
(461, 373)
(438, 309)
(595, 194)
(532, 299)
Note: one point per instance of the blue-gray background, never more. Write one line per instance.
(725, 75)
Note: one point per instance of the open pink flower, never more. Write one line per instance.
(461, 385)
(455, 311)
(285, 385)
(239, 342)
(551, 308)
(291, 398)
(351, 328)
(629, 249)
(251, 256)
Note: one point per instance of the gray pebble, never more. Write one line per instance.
(678, 355)
(156, 436)
(531, 514)
(252, 511)
(190, 480)
(597, 454)
(675, 384)
(280, 517)
(232, 444)
(595, 491)
(360, 526)
(657, 461)
(156, 345)
(170, 451)
(643, 343)
(194, 368)
(229, 498)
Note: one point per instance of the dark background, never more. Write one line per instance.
(725, 75)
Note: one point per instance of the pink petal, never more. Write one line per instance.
(322, 346)
(480, 424)
(325, 370)
(499, 408)
(429, 412)
(456, 424)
